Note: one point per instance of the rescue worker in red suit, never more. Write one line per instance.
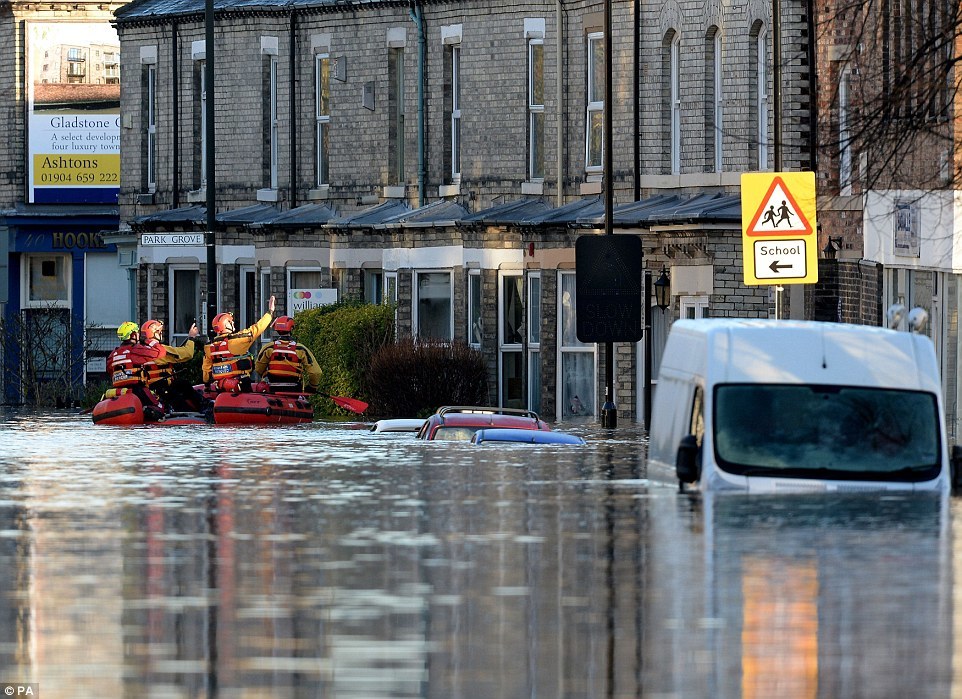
(125, 367)
(286, 365)
(176, 393)
(227, 360)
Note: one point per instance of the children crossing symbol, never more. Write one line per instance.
(778, 214)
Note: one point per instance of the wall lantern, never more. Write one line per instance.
(832, 247)
(663, 290)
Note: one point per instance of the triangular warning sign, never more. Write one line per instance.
(779, 214)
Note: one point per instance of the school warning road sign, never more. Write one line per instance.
(779, 242)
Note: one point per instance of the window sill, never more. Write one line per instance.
(197, 196)
(267, 195)
(536, 188)
(449, 190)
(395, 192)
(588, 188)
(319, 193)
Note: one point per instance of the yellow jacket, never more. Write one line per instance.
(238, 344)
(309, 369)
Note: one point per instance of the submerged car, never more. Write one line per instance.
(460, 422)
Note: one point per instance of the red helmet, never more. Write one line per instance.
(151, 330)
(284, 325)
(223, 323)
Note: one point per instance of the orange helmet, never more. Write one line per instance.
(284, 325)
(223, 323)
(151, 330)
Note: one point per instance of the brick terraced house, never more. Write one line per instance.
(446, 156)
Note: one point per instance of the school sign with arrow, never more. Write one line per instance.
(779, 228)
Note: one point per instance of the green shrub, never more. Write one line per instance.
(413, 378)
(343, 338)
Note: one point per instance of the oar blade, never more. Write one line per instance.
(352, 404)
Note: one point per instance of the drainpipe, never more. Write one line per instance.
(636, 90)
(559, 89)
(417, 16)
(175, 105)
(293, 108)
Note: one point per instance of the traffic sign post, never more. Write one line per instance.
(779, 240)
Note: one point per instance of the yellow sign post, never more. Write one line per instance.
(779, 231)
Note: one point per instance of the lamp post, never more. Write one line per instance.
(211, 183)
(609, 412)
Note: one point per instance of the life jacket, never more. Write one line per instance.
(126, 366)
(154, 372)
(284, 364)
(224, 363)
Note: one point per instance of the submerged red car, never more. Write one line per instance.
(460, 422)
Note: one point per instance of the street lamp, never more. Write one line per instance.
(832, 247)
(663, 290)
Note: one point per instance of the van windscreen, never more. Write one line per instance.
(834, 432)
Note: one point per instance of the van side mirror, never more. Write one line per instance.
(688, 461)
(955, 467)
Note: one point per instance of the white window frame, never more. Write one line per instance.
(203, 123)
(762, 126)
(698, 305)
(675, 89)
(26, 300)
(505, 347)
(274, 123)
(456, 113)
(172, 337)
(322, 116)
(390, 294)
(719, 109)
(151, 130)
(416, 299)
(535, 114)
(533, 323)
(290, 271)
(475, 274)
(588, 348)
(844, 135)
(594, 106)
(242, 272)
(399, 119)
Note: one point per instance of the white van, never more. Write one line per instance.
(773, 405)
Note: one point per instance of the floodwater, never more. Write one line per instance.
(326, 561)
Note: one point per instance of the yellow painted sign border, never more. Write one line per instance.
(756, 187)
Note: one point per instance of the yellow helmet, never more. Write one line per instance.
(126, 330)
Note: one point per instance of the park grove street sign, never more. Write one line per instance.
(779, 228)
(172, 239)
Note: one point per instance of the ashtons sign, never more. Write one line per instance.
(172, 239)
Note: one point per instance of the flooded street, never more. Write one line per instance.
(323, 560)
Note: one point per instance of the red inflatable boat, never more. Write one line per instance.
(126, 409)
(262, 409)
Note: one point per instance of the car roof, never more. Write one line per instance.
(481, 416)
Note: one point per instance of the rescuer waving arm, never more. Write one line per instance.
(227, 360)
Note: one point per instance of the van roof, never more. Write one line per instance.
(736, 350)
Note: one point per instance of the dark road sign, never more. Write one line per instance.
(608, 288)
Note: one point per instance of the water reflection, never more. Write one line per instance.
(325, 561)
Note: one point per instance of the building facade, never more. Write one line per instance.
(445, 157)
(58, 196)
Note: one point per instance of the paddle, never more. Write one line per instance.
(352, 404)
